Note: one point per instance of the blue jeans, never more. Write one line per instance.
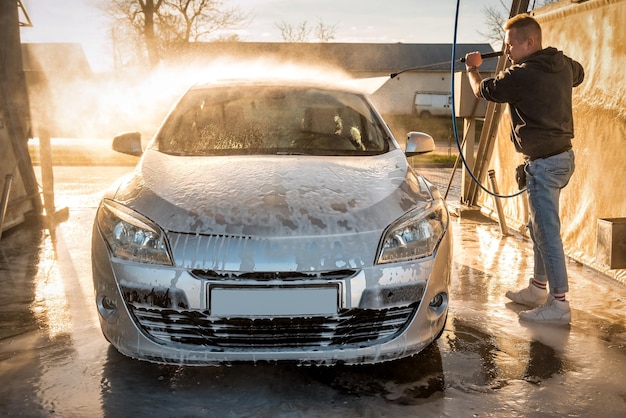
(544, 180)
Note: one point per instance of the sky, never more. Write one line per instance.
(368, 21)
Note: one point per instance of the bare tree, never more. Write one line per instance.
(194, 20)
(167, 26)
(139, 15)
(496, 17)
(291, 33)
(325, 33)
(302, 32)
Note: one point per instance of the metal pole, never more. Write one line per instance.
(8, 180)
(503, 228)
(47, 173)
(469, 138)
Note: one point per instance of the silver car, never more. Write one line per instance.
(272, 222)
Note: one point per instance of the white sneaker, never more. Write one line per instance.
(553, 312)
(530, 296)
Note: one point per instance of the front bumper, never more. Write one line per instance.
(164, 315)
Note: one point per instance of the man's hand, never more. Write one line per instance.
(473, 59)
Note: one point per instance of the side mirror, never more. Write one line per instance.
(419, 143)
(128, 143)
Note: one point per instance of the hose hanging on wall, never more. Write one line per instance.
(454, 127)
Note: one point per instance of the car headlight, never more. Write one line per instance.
(131, 236)
(415, 235)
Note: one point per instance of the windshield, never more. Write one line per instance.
(271, 120)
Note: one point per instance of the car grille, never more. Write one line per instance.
(361, 327)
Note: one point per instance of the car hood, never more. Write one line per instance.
(291, 199)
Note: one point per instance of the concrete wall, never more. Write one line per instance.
(591, 32)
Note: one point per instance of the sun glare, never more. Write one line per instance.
(50, 306)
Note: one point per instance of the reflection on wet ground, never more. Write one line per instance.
(55, 362)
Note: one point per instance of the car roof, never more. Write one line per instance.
(342, 85)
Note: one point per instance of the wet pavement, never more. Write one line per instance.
(55, 362)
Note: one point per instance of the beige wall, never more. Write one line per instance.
(592, 33)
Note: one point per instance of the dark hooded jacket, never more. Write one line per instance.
(539, 93)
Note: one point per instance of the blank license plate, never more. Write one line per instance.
(273, 301)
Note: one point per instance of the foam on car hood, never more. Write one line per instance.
(272, 196)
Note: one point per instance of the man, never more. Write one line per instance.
(538, 90)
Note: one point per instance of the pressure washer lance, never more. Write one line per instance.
(487, 55)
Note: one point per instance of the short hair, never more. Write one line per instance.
(526, 25)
